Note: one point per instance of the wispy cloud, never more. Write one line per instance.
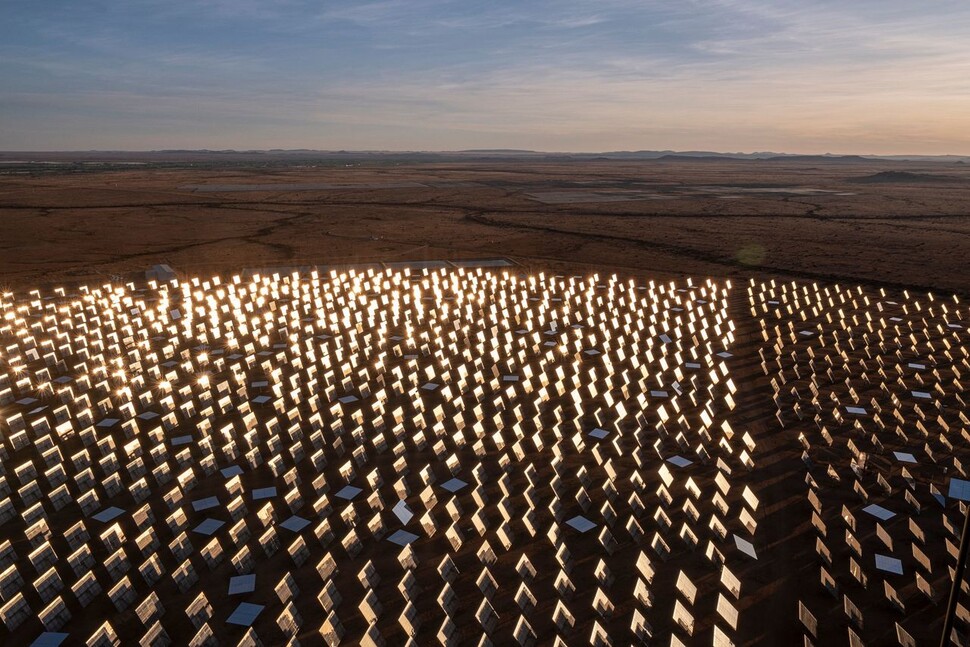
(736, 74)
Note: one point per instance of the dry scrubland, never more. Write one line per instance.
(909, 227)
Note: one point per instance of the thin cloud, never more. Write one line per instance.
(423, 74)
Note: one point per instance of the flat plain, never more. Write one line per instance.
(883, 225)
(892, 224)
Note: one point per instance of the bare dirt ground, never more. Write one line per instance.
(882, 223)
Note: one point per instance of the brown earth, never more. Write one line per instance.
(675, 218)
(723, 219)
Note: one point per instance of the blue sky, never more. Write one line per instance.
(891, 76)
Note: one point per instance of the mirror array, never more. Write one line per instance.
(456, 456)
(872, 386)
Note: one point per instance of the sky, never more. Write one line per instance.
(859, 76)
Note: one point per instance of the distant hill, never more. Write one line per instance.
(821, 158)
(311, 156)
(904, 177)
(699, 158)
(686, 155)
(501, 151)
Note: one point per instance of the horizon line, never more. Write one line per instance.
(506, 151)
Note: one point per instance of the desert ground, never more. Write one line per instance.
(888, 226)
(883, 223)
